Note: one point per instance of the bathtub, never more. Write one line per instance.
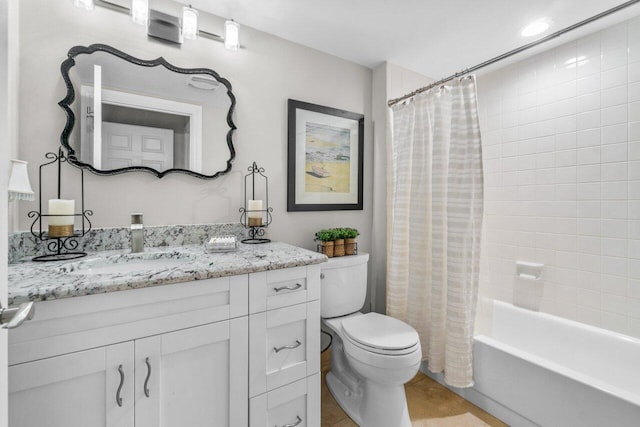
(538, 369)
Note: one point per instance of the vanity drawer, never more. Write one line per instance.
(284, 346)
(281, 288)
(294, 404)
(73, 324)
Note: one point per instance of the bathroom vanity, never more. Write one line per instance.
(174, 336)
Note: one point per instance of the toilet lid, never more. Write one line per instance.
(378, 331)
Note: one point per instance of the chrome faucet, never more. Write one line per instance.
(137, 233)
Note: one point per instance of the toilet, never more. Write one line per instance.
(372, 355)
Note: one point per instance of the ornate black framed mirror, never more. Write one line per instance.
(145, 115)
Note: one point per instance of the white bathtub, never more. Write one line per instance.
(538, 369)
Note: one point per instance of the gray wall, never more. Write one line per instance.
(264, 75)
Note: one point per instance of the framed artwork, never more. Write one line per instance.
(324, 158)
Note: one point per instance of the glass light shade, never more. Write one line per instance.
(19, 185)
(140, 11)
(84, 4)
(189, 23)
(231, 35)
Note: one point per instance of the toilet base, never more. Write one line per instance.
(385, 406)
(349, 401)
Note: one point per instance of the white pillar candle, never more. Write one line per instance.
(61, 207)
(254, 208)
(61, 217)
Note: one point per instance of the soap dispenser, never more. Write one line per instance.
(137, 233)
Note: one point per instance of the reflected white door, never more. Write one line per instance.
(130, 145)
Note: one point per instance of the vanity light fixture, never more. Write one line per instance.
(84, 4)
(167, 27)
(140, 11)
(538, 26)
(231, 35)
(19, 185)
(189, 22)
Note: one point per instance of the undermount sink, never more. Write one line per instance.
(127, 263)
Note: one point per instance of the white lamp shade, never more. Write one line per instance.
(189, 23)
(19, 185)
(140, 11)
(84, 4)
(231, 35)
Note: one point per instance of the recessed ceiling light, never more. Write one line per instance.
(536, 27)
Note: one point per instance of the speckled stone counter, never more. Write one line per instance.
(34, 281)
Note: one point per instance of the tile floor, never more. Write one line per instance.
(425, 397)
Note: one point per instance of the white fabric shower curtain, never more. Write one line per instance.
(434, 222)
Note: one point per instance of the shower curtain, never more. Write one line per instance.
(434, 222)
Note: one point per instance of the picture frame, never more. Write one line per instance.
(325, 158)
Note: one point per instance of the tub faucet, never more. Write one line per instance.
(137, 233)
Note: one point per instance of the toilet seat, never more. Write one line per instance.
(380, 334)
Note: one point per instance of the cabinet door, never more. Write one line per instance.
(194, 377)
(74, 390)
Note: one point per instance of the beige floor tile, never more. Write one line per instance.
(425, 397)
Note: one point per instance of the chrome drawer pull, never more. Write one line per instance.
(288, 288)
(118, 397)
(11, 318)
(146, 380)
(293, 424)
(287, 347)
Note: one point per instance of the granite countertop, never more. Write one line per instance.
(38, 281)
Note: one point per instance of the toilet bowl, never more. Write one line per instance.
(372, 355)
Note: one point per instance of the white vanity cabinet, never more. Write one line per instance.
(160, 356)
(197, 353)
(284, 347)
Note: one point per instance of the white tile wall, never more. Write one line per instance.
(561, 146)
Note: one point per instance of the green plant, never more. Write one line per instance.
(340, 233)
(351, 233)
(326, 235)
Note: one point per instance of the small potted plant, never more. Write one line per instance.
(326, 238)
(350, 235)
(338, 243)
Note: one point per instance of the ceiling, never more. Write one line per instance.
(434, 38)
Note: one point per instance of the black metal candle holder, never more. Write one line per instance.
(256, 232)
(63, 247)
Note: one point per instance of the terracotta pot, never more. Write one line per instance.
(350, 246)
(338, 247)
(326, 248)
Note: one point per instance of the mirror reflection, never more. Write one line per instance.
(133, 114)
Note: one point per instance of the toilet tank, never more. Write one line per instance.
(343, 285)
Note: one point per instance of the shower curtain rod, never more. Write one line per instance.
(515, 51)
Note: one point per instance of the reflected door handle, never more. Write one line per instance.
(11, 318)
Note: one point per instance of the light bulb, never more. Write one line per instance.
(140, 11)
(189, 23)
(231, 35)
